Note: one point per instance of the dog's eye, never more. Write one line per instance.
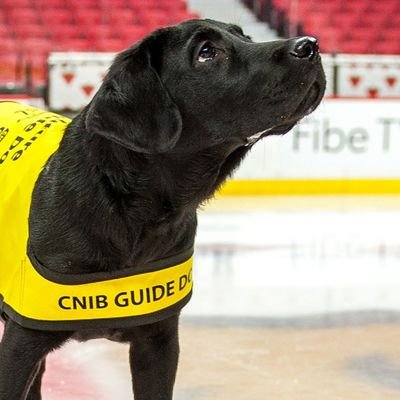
(207, 53)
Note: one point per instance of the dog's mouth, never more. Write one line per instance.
(306, 107)
(311, 101)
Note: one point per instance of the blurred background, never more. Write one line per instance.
(297, 267)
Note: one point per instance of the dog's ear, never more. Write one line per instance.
(132, 107)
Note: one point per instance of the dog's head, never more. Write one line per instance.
(203, 83)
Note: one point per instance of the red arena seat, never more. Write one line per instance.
(389, 46)
(31, 29)
(101, 32)
(358, 24)
(53, 17)
(23, 16)
(74, 45)
(36, 65)
(154, 18)
(6, 32)
(119, 17)
(65, 31)
(109, 45)
(8, 46)
(89, 17)
(84, 4)
(10, 71)
(35, 46)
(16, 4)
(132, 34)
(44, 5)
(117, 4)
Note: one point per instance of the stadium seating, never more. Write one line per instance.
(30, 29)
(358, 26)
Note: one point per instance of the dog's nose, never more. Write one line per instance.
(305, 47)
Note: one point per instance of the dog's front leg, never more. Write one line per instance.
(153, 358)
(21, 353)
(34, 392)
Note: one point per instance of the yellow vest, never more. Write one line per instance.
(37, 298)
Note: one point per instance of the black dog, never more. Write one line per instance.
(174, 117)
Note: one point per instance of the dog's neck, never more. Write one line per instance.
(175, 182)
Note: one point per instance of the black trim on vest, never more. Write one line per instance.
(92, 277)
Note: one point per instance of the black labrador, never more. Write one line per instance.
(174, 117)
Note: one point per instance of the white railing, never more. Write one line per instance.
(362, 76)
(75, 77)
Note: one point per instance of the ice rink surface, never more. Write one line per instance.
(296, 298)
